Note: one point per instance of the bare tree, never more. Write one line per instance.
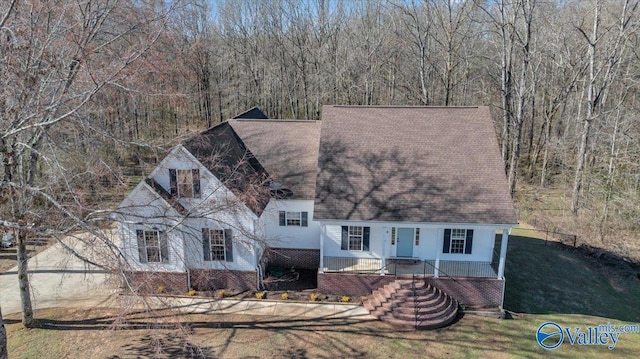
(58, 57)
(602, 68)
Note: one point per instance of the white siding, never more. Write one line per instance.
(290, 236)
(243, 247)
(144, 210)
(333, 242)
(430, 244)
(217, 207)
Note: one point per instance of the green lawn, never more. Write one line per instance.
(549, 279)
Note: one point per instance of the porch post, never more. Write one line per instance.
(323, 231)
(384, 249)
(503, 252)
(436, 270)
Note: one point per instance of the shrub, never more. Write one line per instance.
(345, 299)
(285, 296)
(313, 297)
(191, 292)
(259, 295)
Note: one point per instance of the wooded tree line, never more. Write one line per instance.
(561, 78)
(87, 86)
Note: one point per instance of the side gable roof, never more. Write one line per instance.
(288, 150)
(414, 164)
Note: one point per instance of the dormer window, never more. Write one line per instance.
(185, 183)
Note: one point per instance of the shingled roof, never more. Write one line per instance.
(287, 149)
(411, 164)
(254, 113)
(248, 153)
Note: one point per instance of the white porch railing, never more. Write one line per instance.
(418, 267)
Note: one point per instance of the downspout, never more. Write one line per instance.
(188, 279)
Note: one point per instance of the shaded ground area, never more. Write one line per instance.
(278, 278)
(98, 334)
(553, 278)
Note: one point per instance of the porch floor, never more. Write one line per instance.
(405, 266)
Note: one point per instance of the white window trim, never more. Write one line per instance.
(286, 219)
(223, 245)
(189, 182)
(159, 236)
(361, 235)
(462, 238)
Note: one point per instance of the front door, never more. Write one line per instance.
(404, 246)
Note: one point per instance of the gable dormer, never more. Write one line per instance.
(179, 174)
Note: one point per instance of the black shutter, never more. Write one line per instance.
(206, 249)
(469, 244)
(447, 241)
(228, 245)
(283, 219)
(142, 252)
(345, 238)
(173, 182)
(195, 173)
(304, 219)
(164, 247)
(365, 238)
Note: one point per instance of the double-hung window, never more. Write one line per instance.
(185, 183)
(292, 218)
(152, 246)
(217, 245)
(355, 238)
(458, 241)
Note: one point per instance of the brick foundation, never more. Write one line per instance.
(297, 258)
(157, 282)
(351, 284)
(210, 279)
(476, 293)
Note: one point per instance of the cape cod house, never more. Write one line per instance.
(367, 195)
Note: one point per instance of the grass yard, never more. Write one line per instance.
(551, 279)
(544, 283)
(78, 334)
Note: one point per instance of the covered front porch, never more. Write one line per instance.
(405, 266)
(471, 251)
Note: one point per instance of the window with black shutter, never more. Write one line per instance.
(355, 238)
(458, 241)
(217, 245)
(184, 183)
(292, 218)
(152, 246)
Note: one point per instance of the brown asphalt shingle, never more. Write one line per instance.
(287, 149)
(412, 164)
